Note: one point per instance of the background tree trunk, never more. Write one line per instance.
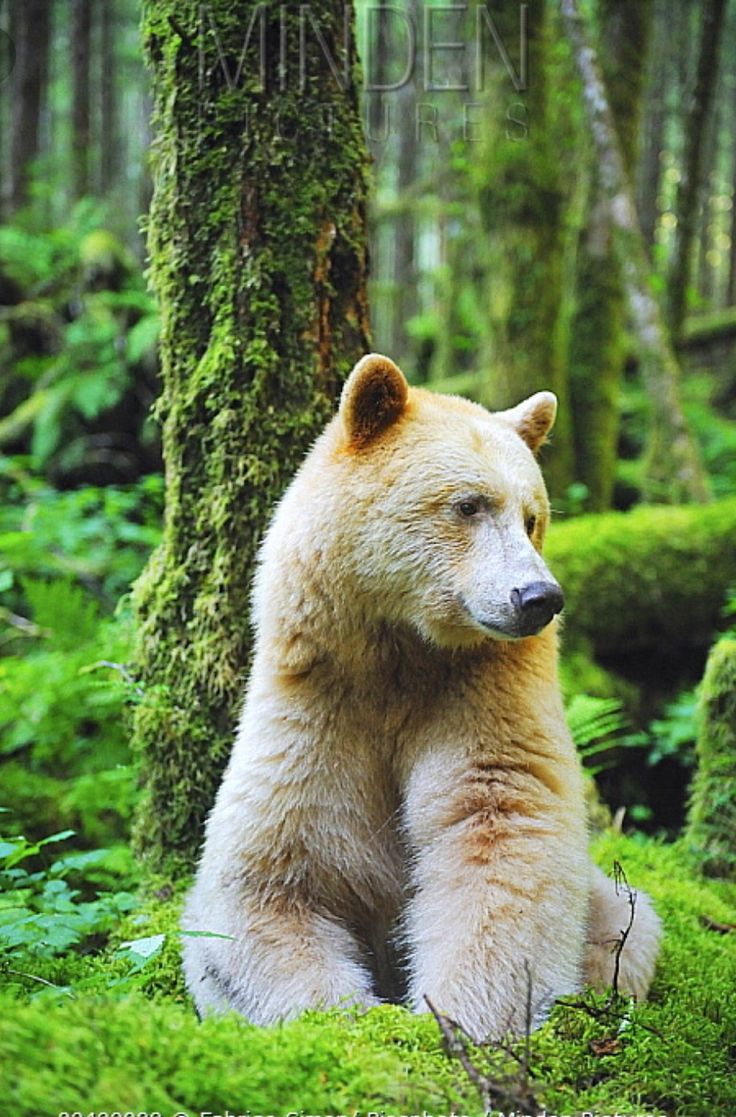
(711, 829)
(109, 134)
(705, 272)
(731, 280)
(674, 471)
(258, 246)
(655, 117)
(81, 28)
(31, 30)
(522, 203)
(692, 166)
(597, 338)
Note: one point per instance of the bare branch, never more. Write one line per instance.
(512, 1091)
(621, 882)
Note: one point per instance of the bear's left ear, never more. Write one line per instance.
(533, 418)
(373, 398)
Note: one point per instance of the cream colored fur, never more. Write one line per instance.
(403, 811)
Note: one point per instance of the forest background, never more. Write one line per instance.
(439, 183)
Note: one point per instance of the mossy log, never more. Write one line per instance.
(258, 255)
(655, 578)
(703, 330)
(712, 818)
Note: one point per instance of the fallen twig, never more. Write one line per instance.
(501, 1093)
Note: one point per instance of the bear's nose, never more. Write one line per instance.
(537, 604)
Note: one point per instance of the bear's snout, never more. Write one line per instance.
(536, 604)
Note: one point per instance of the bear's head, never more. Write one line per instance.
(447, 508)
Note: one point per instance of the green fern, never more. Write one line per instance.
(596, 724)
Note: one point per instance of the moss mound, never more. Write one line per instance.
(95, 1050)
(652, 578)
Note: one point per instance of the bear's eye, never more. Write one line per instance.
(469, 508)
(530, 524)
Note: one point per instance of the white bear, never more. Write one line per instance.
(403, 814)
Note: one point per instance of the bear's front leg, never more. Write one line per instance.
(269, 961)
(496, 927)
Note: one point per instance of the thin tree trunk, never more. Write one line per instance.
(597, 338)
(7, 60)
(674, 472)
(381, 121)
(81, 26)
(692, 167)
(521, 202)
(32, 21)
(258, 247)
(706, 275)
(731, 283)
(405, 278)
(109, 131)
(654, 119)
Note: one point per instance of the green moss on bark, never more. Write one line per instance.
(597, 339)
(712, 818)
(522, 208)
(257, 242)
(654, 578)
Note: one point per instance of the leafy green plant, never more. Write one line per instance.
(42, 912)
(597, 726)
(673, 734)
(77, 349)
(64, 683)
(99, 536)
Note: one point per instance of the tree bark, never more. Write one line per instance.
(81, 27)
(674, 470)
(711, 828)
(109, 128)
(7, 62)
(405, 276)
(522, 205)
(258, 248)
(32, 23)
(686, 208)
(654, 118)
(705, 272)
(597, 338)
(731, 282)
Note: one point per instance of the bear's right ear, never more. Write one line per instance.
(373, 398)
(533, 418)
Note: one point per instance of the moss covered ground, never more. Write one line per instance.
(104, 1040)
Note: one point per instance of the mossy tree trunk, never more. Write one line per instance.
(522, 208)
(712, 818)
(258, 254)
(597, 337)
(30, 31)
(654, 118)
(81, 34)
(696, 135)
(673, 469)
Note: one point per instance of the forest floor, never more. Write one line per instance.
(114, 1032)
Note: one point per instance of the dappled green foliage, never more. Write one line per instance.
(65, 558)
(78, 330)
